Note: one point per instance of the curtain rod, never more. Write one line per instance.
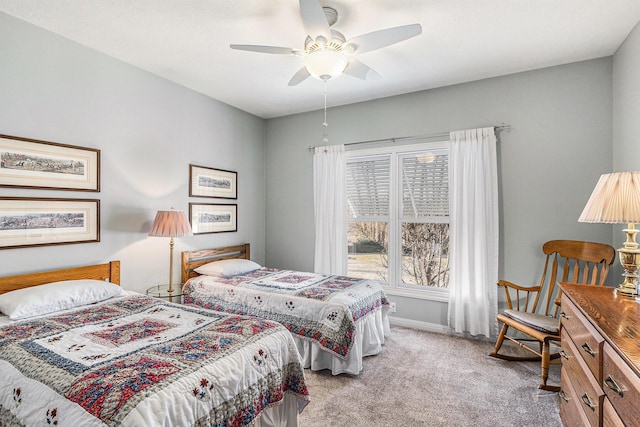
(406, 138)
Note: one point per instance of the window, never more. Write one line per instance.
(368, 191)
(398, 218)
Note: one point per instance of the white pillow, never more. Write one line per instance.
(227, 267)
(55, 296)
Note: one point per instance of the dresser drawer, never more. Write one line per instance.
(571, 413)
(588, 341)
(589, 394)
(610, 417)
(621, 385)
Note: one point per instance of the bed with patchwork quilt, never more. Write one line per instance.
(335, 320)
(134, 360)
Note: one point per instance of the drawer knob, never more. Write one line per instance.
(610, 382)
(564, 354)
(587, 401)
(588, 349)
(564, 315)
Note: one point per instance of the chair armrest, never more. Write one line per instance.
(527, 290)
(508, 284)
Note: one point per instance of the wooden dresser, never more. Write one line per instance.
(600, 377)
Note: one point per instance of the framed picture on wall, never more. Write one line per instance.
(30, 163)
(213, 218)
(210, 182)
(41, 222)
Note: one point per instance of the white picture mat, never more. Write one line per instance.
(84, 227)
(212, 218)
(84, 177)
(208, 182)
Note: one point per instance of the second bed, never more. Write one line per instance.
(335, 320)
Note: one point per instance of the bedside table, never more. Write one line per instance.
(162, 291)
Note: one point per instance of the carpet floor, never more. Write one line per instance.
(429, 379)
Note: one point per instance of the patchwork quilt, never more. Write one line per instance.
(322, 309)
(139, 361)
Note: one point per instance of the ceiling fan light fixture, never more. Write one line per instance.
(325, 64)
(327, 53)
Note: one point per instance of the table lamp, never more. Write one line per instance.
(616, 200)
(171, 224)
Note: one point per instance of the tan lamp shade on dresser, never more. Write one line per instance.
(170, 224)
(616, 200)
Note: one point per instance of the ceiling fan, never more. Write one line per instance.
(327, 53)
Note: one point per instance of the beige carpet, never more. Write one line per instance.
(429, 379)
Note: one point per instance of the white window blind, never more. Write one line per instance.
(368, 186)
(425, 185)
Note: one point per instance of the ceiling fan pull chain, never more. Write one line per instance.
(325, 137)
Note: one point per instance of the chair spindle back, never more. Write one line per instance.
(580, 262)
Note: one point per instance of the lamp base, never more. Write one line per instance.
(629, 256)
(627, 290)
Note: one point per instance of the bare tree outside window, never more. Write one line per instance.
(425, 254)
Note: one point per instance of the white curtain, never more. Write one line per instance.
(473, 262)
(329, 202)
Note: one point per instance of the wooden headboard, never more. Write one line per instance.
(109, 271)
(194, 259)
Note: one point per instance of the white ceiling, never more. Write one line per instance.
(187, 41)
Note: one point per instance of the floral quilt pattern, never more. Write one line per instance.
(322, 309)
(109, 358)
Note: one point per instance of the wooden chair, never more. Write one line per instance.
(566, 261)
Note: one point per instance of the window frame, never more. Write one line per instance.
(396, 286)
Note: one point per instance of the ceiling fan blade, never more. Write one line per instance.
(381, 38)
(313, 18)
(361, 70)
(299, 76)
(266, 49)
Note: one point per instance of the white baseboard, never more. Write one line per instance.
(432, 327)
(420, 325)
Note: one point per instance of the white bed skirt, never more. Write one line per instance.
(283, 415)
(368, 340)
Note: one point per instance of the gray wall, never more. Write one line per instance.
(626, 105)
(626, 119)
(558, 145)
(148, 130)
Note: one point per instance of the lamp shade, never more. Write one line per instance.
(170, 223)
(616, 199)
